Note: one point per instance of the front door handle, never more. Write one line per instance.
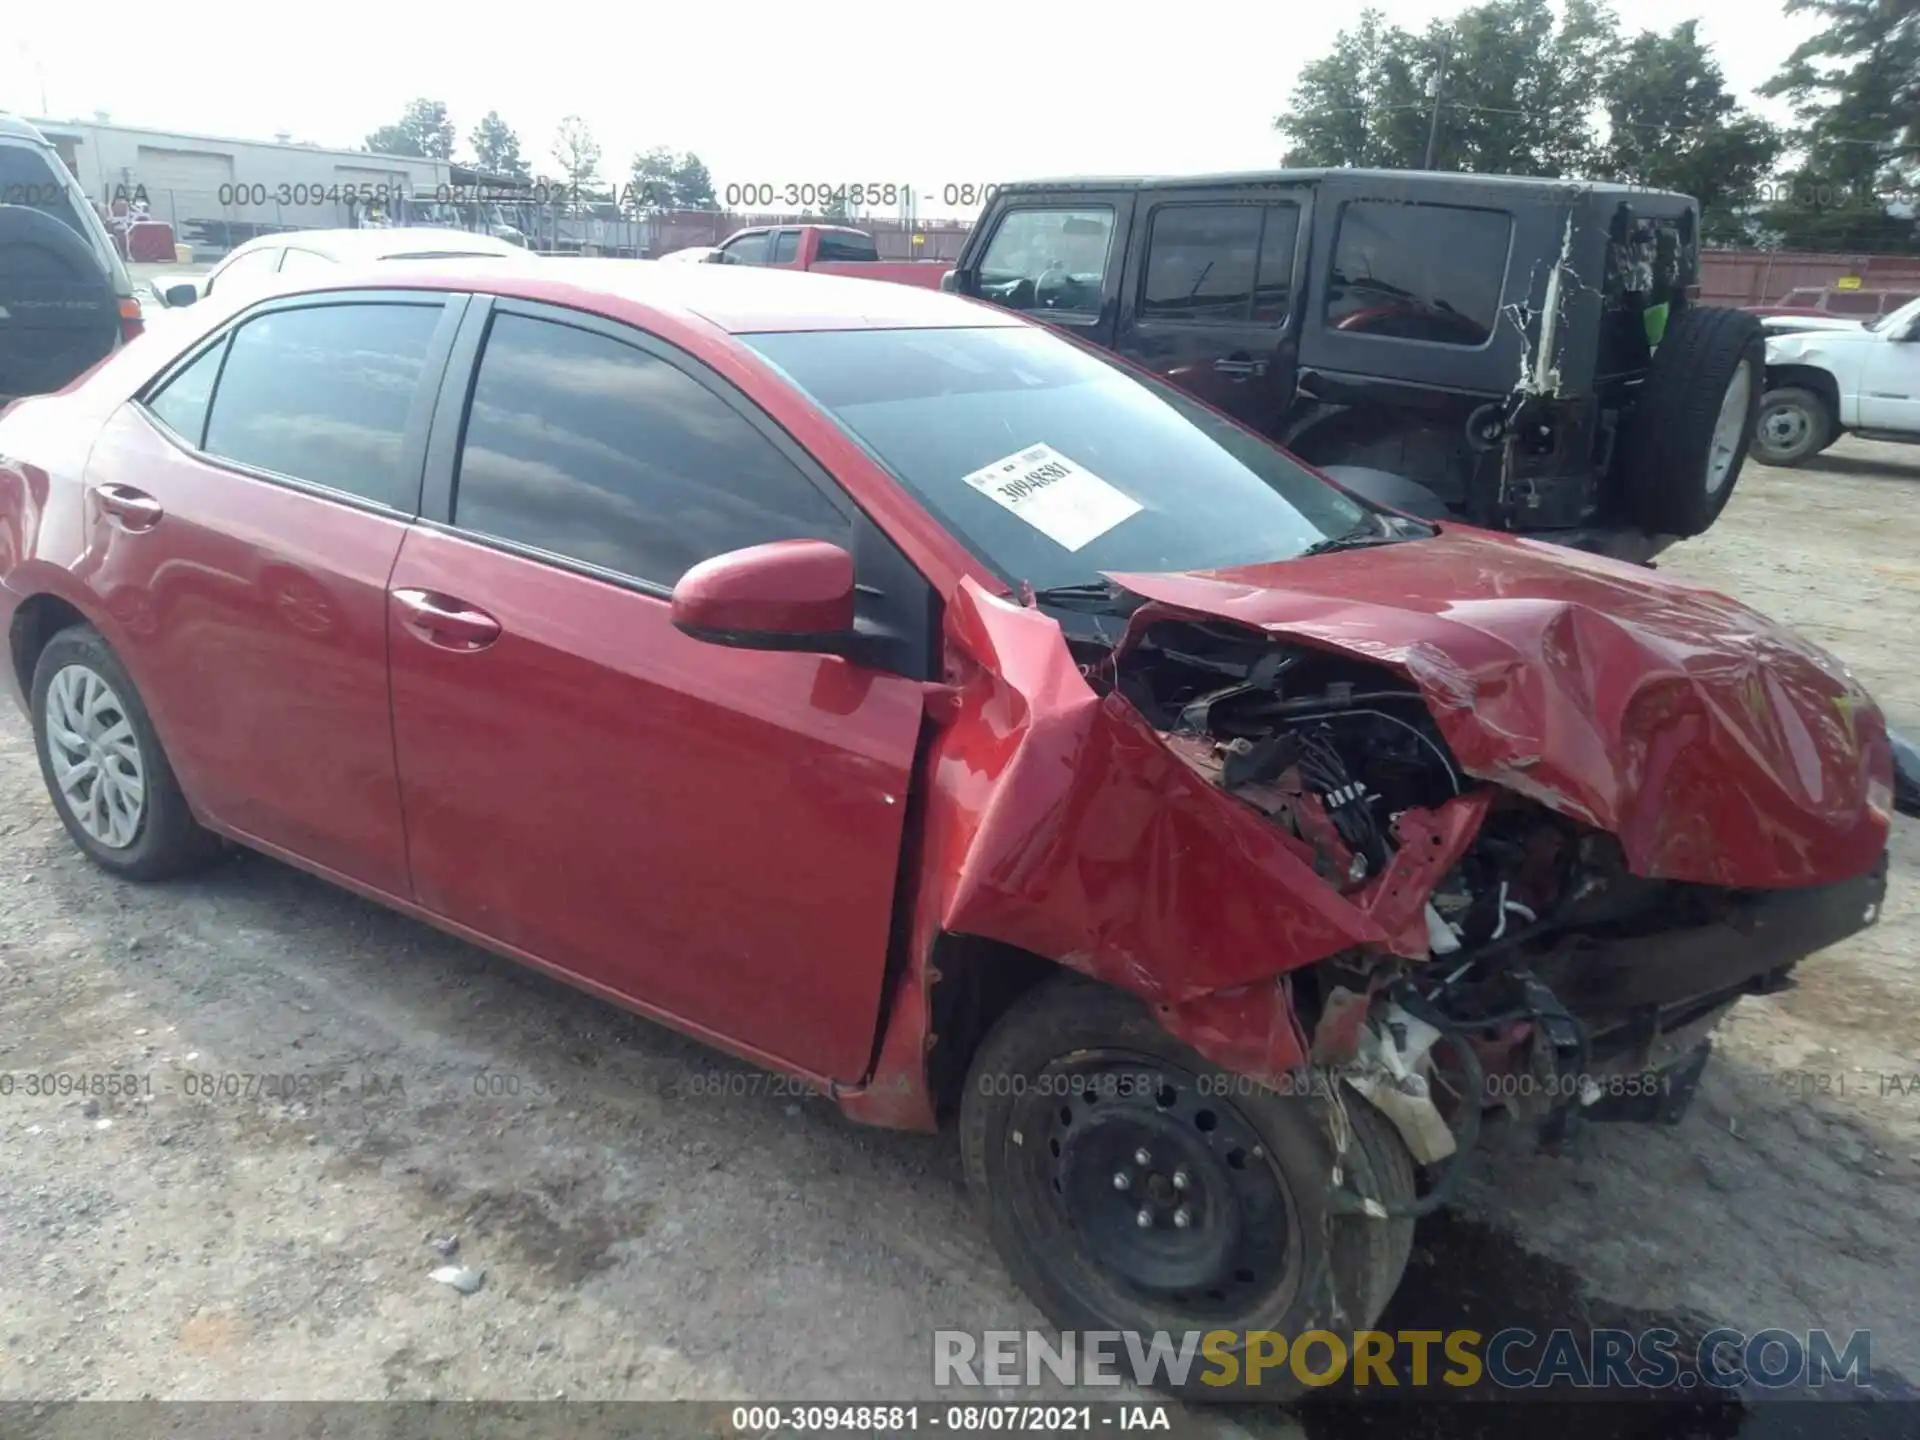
(442, 620)
(1239, 365)
(133, 508)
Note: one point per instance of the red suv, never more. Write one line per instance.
(909, 700)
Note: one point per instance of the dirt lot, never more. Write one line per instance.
(643, 1236)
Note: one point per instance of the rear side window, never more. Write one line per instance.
(182, 402)
(786, 245)
(836, 246)
(589, 448)
(322, 394)
(1418, 272)
(1201, 261)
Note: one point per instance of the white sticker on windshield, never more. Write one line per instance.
(1070, 506)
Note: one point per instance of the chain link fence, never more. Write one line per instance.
(212, 222)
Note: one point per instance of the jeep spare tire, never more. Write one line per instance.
(58, 311)
(1697, 409)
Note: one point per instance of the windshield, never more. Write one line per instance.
(1052, 465)
(1896, 320)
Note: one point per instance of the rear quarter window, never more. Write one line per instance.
(1418, 272)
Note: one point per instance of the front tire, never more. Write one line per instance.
(109, 780)
(1794, 426)
(1131, 1185)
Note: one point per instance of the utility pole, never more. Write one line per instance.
(1439, 85)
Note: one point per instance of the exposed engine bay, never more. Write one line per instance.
(1554, 979)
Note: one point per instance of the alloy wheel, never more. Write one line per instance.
(95, 756)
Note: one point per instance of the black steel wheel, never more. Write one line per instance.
(1132, 1185)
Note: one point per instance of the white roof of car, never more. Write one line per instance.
(386, 243)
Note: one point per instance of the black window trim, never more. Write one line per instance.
(413, 445)
(1266, 204)
(873, 549)
(1321, 303)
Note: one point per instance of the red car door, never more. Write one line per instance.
(247, 509)
(710, 834)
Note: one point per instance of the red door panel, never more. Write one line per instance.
(253, 618)
(712, 833)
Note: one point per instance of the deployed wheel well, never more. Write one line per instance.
(37, 621)
(1808, 377)
(979, 980)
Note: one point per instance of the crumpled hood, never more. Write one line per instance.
(1720, 747)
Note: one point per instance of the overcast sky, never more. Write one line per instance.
(763, 90)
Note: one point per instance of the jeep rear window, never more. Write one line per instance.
(31, 178)
(1418, 272)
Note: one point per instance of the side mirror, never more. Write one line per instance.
(788, 595)
(950, 282)
(180, 294)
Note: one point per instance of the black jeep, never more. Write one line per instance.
(1528, 353)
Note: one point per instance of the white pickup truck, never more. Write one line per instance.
(1829, 376)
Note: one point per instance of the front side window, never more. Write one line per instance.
(786, 245)
(1053, 465)
(1049, 259)
(323, 393)
(589, 448)
(298, 262)
(252, 263)
(1418, 272)
(747, 250)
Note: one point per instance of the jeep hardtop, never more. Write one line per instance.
(1524, 354)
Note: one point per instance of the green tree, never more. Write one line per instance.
(1360, 104)
(1855, 92)
(692, 184)
(577, 154)
(423, 129)
(663, 180)
(1672, 124)
(496, 148)
(651, 189)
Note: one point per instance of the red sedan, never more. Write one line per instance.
(894, 693)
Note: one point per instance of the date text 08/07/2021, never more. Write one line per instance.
(971, 1419)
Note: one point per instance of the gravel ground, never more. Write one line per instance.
(652, 1221)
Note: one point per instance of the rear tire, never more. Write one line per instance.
(1794, 426)
(1698, 408)
(1073, 1086)
(110, 781)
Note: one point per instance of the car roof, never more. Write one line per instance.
(14, 128)
(739, 299)
(1353, 178)
(385, 242)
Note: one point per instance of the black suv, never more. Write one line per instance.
(1523, 354)
(65, 298)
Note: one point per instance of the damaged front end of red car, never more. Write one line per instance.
(1565, 816)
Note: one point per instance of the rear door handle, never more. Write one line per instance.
(133, 508)
(441, 620)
